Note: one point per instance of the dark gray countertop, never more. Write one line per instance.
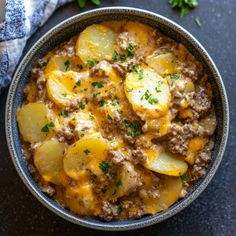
(214, 212)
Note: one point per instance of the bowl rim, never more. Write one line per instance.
(122, 225)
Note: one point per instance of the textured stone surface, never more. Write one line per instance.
(214, 212)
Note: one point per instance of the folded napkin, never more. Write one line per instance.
(22, 19)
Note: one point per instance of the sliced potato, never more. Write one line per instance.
(84, 123)
(48, 159)
(86, 153)
(169, 193)
(165, 163)
(162, 64)
(81, 200)
(96, 42)
(129, 178)
(60, 87)
(148, 93)
(63, 63)
(140, 35)
(31, 118)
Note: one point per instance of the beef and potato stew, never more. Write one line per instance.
(118, 122)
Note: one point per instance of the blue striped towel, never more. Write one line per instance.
(22, 19)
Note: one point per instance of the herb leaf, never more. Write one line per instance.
(45, 128)
(67, 65)
(174, 76)
(183, 5)
(97, 84)
(115, 56)
(86, 151)
(104, 166)
(130, 50)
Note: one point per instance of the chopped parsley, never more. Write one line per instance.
(119, 209)
(96, 94)
(174, 76)
(101, 103)
(82, 105)
(133, 68)
(45, 128)
(130, 50)
(64, 114)
(104, 166)
(91, 63)
(152, 100)
(43, 63)
(109, 117)
(115, 56)
(133, 129)
(184, 5)
(97, 84)
(198, 22)
(120, 111)
(184, 177)
(129, 90)
(86, 151)
(146, 95)
(123, 57)
(91, 117)
(64, 94)
(118, 182)
(80, 66)
(78, 83)
(114, 192)
(157, 90)
(140, 75)
(115, 101)
(67, 65)
(85, 89)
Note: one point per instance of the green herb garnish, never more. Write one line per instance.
(64, 94)
(133, 129)
(184, 177)
(123, 57)
(104, 166)
(96, 94)
(198, 22)
(101, 103)
(97, 84)
(82, 105)
(78, 83)
(80, 66)
(130, 50)
(174, 76)
(86, 151)
(129, 90)
(140, 75)
(115, 56)
(119, 209)
(184, 5)
(45, 128)
(109, 117)
(118, 183)
(90, 63)
(152, 100)
(67, 65)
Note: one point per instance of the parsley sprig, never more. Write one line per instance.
(184, 5)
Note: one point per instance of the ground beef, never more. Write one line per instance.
(138, 156)
(201, 162)
(110, 210)
(48, 189)
(178, 137)
(38, 75)
(116, 156)
(201, 101)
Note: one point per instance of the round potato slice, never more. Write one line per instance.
(96, 42)
(48, 159)
(31, 118)
(87, 153)
(169, 193)
(59, 87)
(162, 64)
(165, 163)
(148, 93)
(81, 200)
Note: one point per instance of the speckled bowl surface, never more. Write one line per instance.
(63, 32)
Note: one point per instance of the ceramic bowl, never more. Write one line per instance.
(63, 32)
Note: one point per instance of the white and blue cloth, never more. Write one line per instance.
(22, 19)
